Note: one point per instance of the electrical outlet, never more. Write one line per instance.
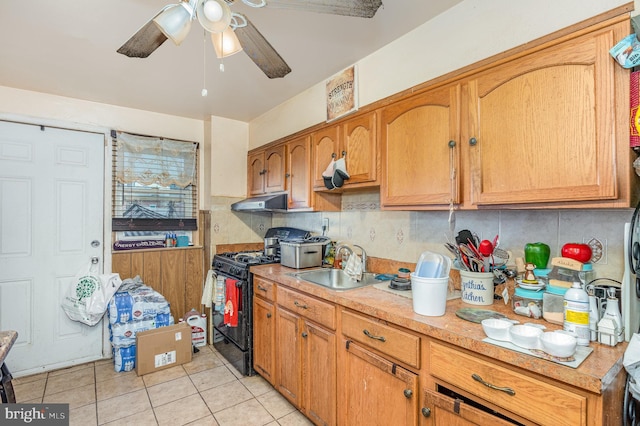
(325, 225)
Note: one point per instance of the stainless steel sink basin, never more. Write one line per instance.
(336, 279)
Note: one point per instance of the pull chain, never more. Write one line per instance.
(204, 64)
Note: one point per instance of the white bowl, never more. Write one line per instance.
(559, 344)
(497, 329)
(525, 336)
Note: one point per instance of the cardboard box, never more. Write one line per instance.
(163, 348)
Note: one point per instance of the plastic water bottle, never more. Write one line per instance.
(576, 313)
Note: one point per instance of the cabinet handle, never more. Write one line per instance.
(489, 385)
(263, 171)
(304, 334)
(473, 141)
(268, 314)
(262, 288)
(371, 336)
(408, 393)
(426, 411)
(452, 144)
(300, 305)
(287, 175)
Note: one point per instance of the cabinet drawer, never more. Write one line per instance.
(264, 288)
(307, 306)
(532, 399)
(396, 343)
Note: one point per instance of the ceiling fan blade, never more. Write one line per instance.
(144, 42)
(260, 51)
(357, 8)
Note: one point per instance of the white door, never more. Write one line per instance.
(51, 210)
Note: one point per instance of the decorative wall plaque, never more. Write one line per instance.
(342, 94)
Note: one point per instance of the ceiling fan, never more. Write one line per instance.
(174, 21)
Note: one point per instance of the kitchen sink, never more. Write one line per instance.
(336, 279)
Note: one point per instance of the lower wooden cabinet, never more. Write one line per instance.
(306, 366)
(376, 390)
(264, 338)
(176, 273)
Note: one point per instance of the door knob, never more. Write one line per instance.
(95, 243)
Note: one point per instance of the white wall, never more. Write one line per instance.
(471, 31)
(228, 161)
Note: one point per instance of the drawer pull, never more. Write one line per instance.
(268, 314)
(371, 336)
(300, 305)
(489, 385)
(304, 334)
(262, 288)
(408, 393)
(426, 411)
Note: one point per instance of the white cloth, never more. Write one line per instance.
(353, 268)
(207, 291)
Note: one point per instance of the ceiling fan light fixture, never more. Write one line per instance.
(213, 15)
(226, 43)
(175, 22)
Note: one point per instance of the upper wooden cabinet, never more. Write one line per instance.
(420, 149)
(355, 139)
(298, 176)
(266, 170)
(542, 128)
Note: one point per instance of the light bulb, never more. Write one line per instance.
(213, 11)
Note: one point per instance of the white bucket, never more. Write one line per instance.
(477, 287)
(429, 295)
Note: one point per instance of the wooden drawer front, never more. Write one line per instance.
(316, 310)
(532, 399)
(398, 344)
(264, 288)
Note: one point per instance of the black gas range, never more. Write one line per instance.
(233, 336)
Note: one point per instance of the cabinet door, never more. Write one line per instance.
(442, 410)
(299, 173)
(289, 356)
(325, 146)
(319, 375)
(377, 391)
(360, 145)
(274, 161)
(173, 283)
(544, 125)
(256, 173)
(418, 163)
(264, 338)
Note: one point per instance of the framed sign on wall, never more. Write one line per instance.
(342, 93)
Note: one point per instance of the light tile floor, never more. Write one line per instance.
(206, 391)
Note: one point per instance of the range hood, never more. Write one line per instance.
(264, 203)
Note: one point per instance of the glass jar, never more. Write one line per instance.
(553, 304)
(527, 302)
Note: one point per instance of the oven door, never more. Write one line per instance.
(236, 333)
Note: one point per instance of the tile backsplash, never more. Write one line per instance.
(404, 235)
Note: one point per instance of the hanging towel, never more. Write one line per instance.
(353, 268)
(231, 303)
(207, 292)
(218, 294)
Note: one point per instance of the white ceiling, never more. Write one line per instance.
(68, 48)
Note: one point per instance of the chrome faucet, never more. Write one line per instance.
(342, 246)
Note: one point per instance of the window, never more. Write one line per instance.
(154, 185)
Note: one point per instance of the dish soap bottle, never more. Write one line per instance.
(576, 313)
